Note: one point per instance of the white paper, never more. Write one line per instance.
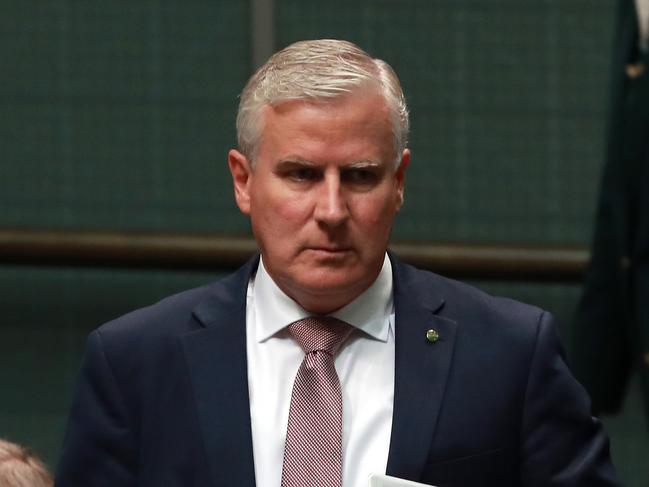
(378, 480)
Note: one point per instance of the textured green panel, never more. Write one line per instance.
(629, 439)
(112, 115)
(120, 114)
(46, 316)
(507, 101)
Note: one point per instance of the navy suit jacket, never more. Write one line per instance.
(162, 398)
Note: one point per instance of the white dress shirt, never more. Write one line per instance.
(365, 366)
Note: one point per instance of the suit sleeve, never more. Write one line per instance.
(562, 444)
(99, 447)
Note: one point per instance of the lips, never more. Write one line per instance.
(330, 248)
(329, 251)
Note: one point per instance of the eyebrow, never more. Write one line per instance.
(363, 164)
(297, 161)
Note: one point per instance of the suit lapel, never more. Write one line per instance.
(216, 359)
(421, 371)
(217, 364)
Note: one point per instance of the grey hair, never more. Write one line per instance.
(317, 69)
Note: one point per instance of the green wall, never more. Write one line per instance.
(118, 115)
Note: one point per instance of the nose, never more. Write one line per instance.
(331, 207)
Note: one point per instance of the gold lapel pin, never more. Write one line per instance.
(432, 336)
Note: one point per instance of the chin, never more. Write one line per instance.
(332, 282)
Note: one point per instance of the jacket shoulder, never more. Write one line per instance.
(179, 313)
(469, 306)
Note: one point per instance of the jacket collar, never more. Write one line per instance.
(216, 360)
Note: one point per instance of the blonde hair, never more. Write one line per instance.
(318, 69)
(21, 468)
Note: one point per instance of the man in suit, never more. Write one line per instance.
(611, 337)
(437, 381)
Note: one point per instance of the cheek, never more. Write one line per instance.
(278, 208)
(296, 209)
(291, 208)
(378, 211)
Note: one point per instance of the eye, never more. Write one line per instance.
(360, 176)
(303, 174)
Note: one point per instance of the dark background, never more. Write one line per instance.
(118, 115)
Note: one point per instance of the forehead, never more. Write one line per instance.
(357, 121)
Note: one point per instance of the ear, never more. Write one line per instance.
(400, 176)
(241, 177)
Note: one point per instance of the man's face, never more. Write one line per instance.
(322, 196)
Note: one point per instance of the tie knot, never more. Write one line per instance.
(320, 333)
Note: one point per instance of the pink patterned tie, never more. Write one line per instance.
(313, 451)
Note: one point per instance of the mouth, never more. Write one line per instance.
(330, 250)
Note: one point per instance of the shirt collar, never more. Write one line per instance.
(369, 312)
